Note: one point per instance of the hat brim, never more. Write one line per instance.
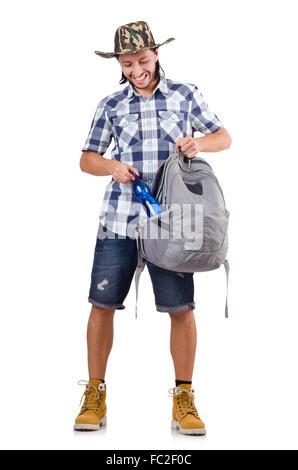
(109, 55)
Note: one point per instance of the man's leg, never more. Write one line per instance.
(114, 263)
(183, 343)
(185, 417)
(99, 341)
(100, 333)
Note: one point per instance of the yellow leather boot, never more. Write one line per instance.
(93, 411)
(185, 416)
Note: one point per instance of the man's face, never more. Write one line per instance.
(139, 68)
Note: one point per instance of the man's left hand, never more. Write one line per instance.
(188, 145)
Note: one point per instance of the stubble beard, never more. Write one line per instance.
(151, 77)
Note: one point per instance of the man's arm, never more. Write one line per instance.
(95, 164)
(219, 140)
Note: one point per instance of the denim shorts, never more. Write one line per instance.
(114, 264)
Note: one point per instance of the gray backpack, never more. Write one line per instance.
(191, 234)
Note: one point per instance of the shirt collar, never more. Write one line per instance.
(162, 86)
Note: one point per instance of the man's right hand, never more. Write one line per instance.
(122, 172)
(95, 164)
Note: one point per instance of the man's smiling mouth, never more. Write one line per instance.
(141, 78)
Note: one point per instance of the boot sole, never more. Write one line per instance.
(90, 427)
(194, 432)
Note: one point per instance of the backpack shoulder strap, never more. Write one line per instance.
(139, 269)
(227, 269)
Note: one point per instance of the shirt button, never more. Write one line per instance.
(147, 104)
(150, 161)
(149, 181)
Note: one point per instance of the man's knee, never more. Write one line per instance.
(183, 316)
(101, 311)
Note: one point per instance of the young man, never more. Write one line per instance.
(148, 120)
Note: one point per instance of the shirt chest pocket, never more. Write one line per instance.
(126, 128)
(172, 125)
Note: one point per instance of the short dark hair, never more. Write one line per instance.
(124, 79)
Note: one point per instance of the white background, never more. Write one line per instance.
(242, 56)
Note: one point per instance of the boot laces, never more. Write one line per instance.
(92, 396)
(187, 399)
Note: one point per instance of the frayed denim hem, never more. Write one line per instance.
(98, 304)
(178, 308)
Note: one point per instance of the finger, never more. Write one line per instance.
(188, 146)
(130, 179)
(193, 153)
(135, 170)
(186, 140)
(179, 142)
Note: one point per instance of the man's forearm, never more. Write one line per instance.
(214, 142)
(95, 164)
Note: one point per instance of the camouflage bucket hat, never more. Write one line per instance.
(131, 38)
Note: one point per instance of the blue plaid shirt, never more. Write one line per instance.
(145, 132)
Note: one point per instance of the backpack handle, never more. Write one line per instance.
(180, 153)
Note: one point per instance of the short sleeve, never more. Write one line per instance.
(100, 134)
(202, 119)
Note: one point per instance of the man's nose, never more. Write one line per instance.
(136, 70)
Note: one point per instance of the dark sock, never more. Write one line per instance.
(179, 382)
